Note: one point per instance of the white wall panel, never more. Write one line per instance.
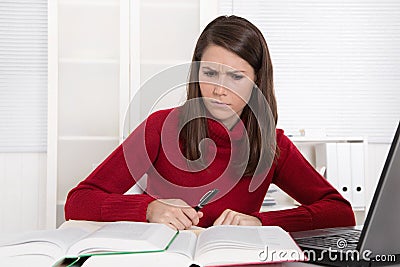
(89, 96)
(89, 31)
(22, 205)
(88, 99)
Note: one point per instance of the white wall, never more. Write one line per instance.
(88, 102)
(168, 33)
(23, 178)
(22, 191)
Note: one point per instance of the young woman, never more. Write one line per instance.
(222, 137)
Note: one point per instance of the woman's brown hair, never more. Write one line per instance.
(241, 37)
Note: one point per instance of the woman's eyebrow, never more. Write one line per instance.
(229, 72)
(209, 68)
(236, 71)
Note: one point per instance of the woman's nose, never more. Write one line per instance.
(219, 90)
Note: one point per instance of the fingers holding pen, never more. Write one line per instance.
(193, 215)
(175, 213)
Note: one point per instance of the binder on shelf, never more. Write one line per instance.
(357, 175)
(344, 171)
(326, 158)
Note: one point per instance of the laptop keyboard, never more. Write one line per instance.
(343, 241)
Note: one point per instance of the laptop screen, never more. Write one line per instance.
(381, 231)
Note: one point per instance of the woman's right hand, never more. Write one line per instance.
(175, 213)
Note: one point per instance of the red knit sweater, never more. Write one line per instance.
(153, 149)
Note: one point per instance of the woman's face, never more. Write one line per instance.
(226, 82)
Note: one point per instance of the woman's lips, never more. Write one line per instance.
(219, 103)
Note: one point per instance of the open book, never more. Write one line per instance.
(216, 246)
(78, 239)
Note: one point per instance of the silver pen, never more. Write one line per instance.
(206, 198)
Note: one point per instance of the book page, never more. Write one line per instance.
(89, 226)
(179, 253)
(244, 244)
(47, 244)
(27, 260)
(124, 237)
(184, 243)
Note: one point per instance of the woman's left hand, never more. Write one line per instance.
(231, 217)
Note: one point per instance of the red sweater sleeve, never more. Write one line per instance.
(321, 204)
(100, 197)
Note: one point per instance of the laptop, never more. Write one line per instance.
(377, 242)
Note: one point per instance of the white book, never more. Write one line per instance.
(215, 246)
(83, 239)
(148, 244)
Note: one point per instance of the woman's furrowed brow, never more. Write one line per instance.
(227, 72)
(236, 71)
(207, 67)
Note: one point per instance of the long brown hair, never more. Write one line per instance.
(241, 37)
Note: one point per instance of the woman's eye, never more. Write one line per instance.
(210, 73)
(236, 76)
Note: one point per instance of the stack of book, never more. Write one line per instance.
(269, 200)
(148, 244)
